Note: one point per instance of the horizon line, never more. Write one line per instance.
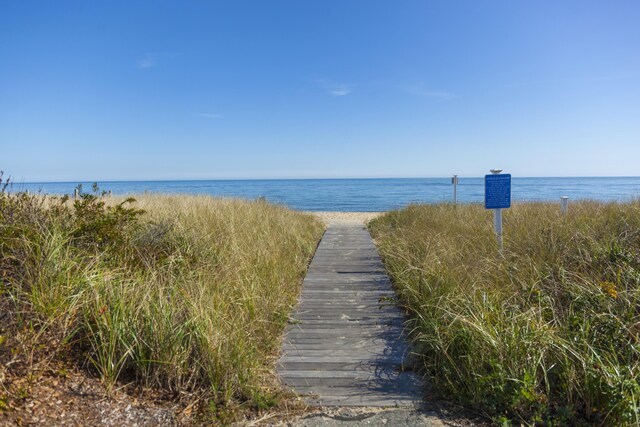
(83, 181)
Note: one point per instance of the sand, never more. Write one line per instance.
(362, 217)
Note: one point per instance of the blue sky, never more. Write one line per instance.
(121, 90)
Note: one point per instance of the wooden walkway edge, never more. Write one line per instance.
(344, 344)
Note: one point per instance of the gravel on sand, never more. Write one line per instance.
(370, 417)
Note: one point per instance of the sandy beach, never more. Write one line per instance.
(362, 217)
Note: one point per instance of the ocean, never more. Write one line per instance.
(367, 195)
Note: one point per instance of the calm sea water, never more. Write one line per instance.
(368, 195)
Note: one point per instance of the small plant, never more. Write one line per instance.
(98, 224)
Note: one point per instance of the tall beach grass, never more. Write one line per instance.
(546, 331)
(183, 293)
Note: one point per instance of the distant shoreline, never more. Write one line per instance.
(120, 181)
(365, 195)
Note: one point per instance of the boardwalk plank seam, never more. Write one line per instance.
(344, 344)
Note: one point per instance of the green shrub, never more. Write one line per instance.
(101, 225)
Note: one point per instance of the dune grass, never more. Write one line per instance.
(545, 332)
(183, 293)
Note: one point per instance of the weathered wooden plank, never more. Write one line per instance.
(366, 283)
(400, 384)
(366, 330)
(354, 256)
(347, 304)
(332, 323)
(367, 352)
(324, 346)
(337, 351)
(313, 286)
(288, 358)
(344, 293)
(344, 259)
(344, 341)
(360, 375)
(351, 317)
(339, 259)
(345, 298)
(370, 324)
(369, 311)
(373, 324)
(361, 278)
(303, 335)
(368, 382)
(345, 282)
(378, 367)
(354, 288)
(317, 333)
(332, 337)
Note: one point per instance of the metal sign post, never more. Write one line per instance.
(564, 205)
(497, 196)
(454, 181)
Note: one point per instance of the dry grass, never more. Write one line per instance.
(190, 296)
(546, 331)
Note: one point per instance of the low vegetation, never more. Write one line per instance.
(546, 331)
(184, 294)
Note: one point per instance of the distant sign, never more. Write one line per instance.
(497, 191)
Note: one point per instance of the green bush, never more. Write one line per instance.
(97, 224)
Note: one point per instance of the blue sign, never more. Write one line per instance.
(497, 191)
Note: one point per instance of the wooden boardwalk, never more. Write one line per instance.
(344, 344)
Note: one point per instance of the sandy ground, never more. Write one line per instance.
(362, 217)
(360, 417)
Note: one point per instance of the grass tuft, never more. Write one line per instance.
(183, 293)
(546, 331)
